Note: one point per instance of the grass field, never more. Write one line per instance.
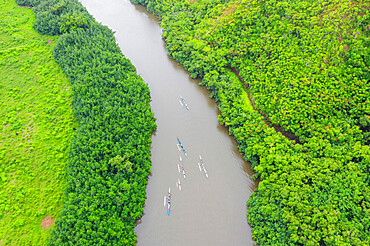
(36, 125)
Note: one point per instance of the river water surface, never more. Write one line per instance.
(206, 211)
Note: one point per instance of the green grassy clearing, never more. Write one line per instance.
(36, 125)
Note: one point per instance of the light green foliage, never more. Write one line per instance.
(36, 128)
(306, 66)
(121, 163)
(109, 158)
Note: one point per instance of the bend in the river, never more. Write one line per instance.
(206, 211)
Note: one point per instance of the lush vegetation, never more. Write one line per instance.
(109, 158)
(36, 129)
(110, 155)
(292, 82)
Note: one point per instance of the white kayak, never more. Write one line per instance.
(178, 184)
(180, 167)
(202, 167)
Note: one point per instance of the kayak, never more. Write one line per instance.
(179, 146)
(169, 201)
(180, 167)
(202, 167)
(183, 103)
(178, 184)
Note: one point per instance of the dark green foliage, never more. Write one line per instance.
(109, 159)
(55, 17)
(305, 65)
(28, 2)
(110, 155)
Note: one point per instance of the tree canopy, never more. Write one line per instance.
(109, 159)
(291, 79)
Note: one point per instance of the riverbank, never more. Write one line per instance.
(206, 211)
(306, 74)
(109, 156)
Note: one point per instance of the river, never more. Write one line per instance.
(207, 211)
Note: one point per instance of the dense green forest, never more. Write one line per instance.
(36, 125)
(291, 79)
(109, 157)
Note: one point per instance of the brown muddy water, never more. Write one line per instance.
(207, 211)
